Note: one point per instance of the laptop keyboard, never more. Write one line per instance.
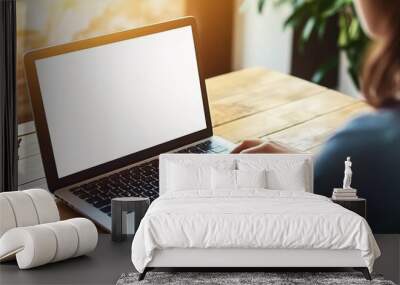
(137, 181)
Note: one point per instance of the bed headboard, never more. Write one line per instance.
(270, 160)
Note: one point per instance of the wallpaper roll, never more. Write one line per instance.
(41, 244)
(7, 220)
(87, 235)
(45, 205)
(23, 208)
(66, 237)
(26, 208)
(31, 246)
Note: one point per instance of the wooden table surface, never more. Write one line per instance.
(244, 104)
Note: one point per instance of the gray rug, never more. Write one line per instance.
(269, 278)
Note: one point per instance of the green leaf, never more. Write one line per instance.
(260, 5)
(343, 38)
(307, 30)
(313, 15)
(321, 29)
(296, 18)
(321, 72)
(354, 28)
(335, 7)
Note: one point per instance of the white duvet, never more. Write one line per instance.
(250, 219)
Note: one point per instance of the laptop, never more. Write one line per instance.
(105, 108)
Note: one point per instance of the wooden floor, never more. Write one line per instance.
(255, 103)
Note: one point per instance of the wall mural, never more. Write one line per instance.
(42, 23)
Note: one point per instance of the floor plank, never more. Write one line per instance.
(314, 132)
(39, 183)
(30, 169)
(240, 81)
(29, 146)
(315, 149)
(285, 116)
(26, 128)
(245, 100)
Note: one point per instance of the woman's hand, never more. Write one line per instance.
(261, 146)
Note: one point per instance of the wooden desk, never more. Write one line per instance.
(244, 104)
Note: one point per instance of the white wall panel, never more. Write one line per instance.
(260, 39)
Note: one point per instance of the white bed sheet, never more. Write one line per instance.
(250, 219)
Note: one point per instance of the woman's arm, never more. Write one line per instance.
(262, 146)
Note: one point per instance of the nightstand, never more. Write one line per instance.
(357, 205)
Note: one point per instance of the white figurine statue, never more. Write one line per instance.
(348, 173)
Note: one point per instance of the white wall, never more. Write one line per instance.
(345, 84)
(259, 39)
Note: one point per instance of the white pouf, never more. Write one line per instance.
(31, 232)
(40, 244)
(26, 208)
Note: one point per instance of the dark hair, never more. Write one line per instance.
(381, 73)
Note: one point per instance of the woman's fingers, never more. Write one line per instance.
(270, 147)
(263, 148)
(260, 146)
(247, 144)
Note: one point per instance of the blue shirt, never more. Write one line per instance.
(373, 143)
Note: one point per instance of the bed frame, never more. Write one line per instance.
(242, 259)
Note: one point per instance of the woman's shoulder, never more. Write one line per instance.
(364, 138)
(371, 131)
(378, 122)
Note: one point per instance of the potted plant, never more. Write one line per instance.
(311, 17)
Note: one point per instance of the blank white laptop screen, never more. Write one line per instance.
(110, 101)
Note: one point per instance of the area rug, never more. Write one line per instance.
(244, 278)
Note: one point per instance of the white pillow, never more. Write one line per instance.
(187, 177)
(281, 174)
(292, 178)
(226, 179)
(193, 174)
(251, 178)
(223, 179)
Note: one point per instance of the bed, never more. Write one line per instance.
(246, 211)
